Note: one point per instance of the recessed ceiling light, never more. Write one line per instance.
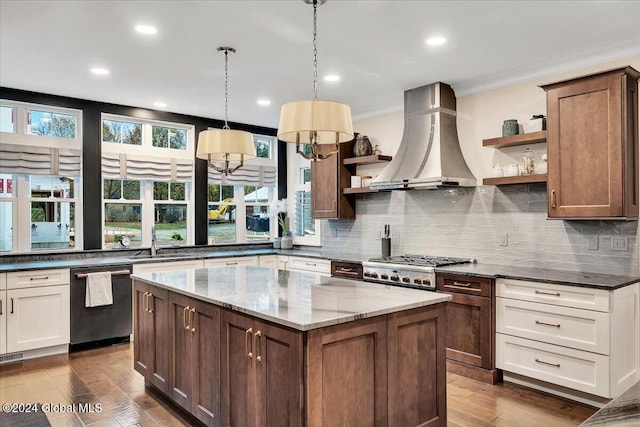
(159, 104)
(263, 102)
(146, 29)
(332, 78)
(436, 41)
(100, 71)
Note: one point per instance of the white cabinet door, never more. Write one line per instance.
(167, 266)
(3, 322)
(3, 281)
(270, 261)
(224, 262)
(283, 262)
(37, 317)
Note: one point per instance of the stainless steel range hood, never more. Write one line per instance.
(429, 155)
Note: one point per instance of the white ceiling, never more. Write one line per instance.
(377, 47)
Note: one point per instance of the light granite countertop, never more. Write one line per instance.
(300, 301)
(624, 410)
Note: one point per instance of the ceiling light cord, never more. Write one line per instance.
(315, 49)
(226, 89)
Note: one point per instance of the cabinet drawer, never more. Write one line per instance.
(575, 369)
(464, 284)
(167, 266)
(549, 293)
(310, 264)
(37, 278)
(348, 270)
(225, 262)
(571, 327)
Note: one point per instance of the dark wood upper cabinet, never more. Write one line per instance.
(592, 140)
(329, 177)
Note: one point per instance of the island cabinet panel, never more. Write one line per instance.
(416, 363)
(195, 357)
(152, 334)
(261, 373)
(347, 374)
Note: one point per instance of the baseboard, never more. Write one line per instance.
(489, 376)
(32, 354)
(556, 390)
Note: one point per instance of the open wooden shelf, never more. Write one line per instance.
(359, 190)
(513, 140)
(366, 160)
(524, 179)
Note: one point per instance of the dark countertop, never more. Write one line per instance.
(623, 410)
(586, 280)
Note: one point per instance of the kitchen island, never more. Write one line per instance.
(245, 345)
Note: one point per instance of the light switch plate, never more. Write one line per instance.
(504, 239)
(619, 243)
(592, 243)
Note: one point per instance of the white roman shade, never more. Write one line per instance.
(35, 160)
(258, 176)
(138, 167)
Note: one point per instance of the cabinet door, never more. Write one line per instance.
(159, 332)
(470, 336)
(3, 322)
(269, 261)
(238, 388)
(206, 348)
(328, 178)
(37, 317)
(143, 349)
(182, 366)
(279, 372)
(417, 371)
(347, 374)
(584, 131)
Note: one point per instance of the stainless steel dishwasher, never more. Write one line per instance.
(106, 324)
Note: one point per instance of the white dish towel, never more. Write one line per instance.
(99, 290)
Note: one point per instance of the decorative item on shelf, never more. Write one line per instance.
(541, 167)
(315, 121)
(366, 180)
(362, 146)
(510, 127)
(537, 123)
(497, 172)
(376, 150)
(511, 170)
(527, 162)
(225, 149)
(356, 181)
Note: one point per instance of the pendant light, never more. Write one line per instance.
(225, 149)
(315, 121)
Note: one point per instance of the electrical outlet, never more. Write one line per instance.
(592, 243)
(504, 239)
(619, 243)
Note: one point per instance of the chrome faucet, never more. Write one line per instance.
(153, 241)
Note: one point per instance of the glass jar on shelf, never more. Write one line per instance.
(527, 162)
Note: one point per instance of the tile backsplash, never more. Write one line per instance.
(505, 225)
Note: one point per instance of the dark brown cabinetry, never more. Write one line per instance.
(329, 177)
(348, 270)
(151, 333)
(592, 139)
(471, 326)
(195, 357)
(262, 371)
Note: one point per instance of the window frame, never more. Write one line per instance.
(295, 182)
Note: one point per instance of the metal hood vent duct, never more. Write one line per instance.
(429, 155)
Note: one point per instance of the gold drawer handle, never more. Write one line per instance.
(557, 365)
(464, 285)
(39, 278)
(346, 270)
(246, 342)
(256, 345)
(553, 294)
(191, 312)
(555, 325)
(184, 317)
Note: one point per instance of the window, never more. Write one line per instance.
(299, 183)
(147, 170)
(40, 177)
(238, 209)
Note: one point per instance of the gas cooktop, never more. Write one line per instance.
(420, 260)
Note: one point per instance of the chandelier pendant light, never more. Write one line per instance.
(225, 149)
(315, 121)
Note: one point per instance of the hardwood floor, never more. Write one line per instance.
(106, 375)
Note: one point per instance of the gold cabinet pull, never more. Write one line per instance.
(464, 285)
(553, 199)
(191, 312)
(553, 294)
(184, 317)
(555, 325)
(144, 302)
(557, 365)
(246, 342)
(150, 297)
(256, 345)
(11, 306)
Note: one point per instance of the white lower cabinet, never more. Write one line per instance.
(166, 266)
(309, 265)
(269, 261)
(3, 322)
(231, 261)
(580, 338)
(36, 317)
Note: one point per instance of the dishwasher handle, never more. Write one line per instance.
(113, 273)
